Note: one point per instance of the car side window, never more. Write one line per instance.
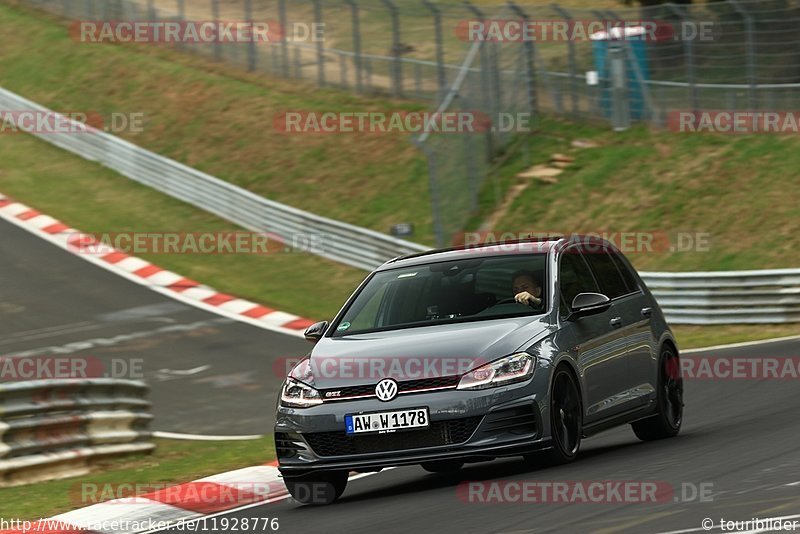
(574, 277)
(605, 270)
(626, 272)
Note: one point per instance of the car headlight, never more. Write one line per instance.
(296, 391)
(515, 368)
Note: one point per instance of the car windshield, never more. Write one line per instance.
(453, 291)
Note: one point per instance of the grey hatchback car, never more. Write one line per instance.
(469, 354)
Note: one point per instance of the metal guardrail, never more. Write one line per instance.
(728, 297)
(335, 240)
(771, 296)
(54, 428)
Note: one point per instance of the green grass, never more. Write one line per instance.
(172, 462)
(741, 191)
(218, 119)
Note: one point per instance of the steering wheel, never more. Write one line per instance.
(507, 300)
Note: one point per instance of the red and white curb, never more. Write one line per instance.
(145, 273)
(156, 510)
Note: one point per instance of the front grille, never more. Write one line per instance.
(406, 386)
(439, 433)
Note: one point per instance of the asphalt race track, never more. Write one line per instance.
(213, 375)
(739, 443)
(208, 374)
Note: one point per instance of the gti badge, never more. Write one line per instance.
(386, 389)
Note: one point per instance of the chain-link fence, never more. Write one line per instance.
(720, 55)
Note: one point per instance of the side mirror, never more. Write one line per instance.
(315, 331)
(585, 304)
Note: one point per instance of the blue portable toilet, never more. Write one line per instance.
(630, 44)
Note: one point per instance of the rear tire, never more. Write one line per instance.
(667, 421)
(566, 418)
(443, 466)
(317, 489)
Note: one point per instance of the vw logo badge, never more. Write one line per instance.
(386, 389)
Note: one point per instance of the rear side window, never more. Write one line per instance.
(625, 271)
(574, 277)
(608, 276)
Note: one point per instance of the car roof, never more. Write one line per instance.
(531, 245)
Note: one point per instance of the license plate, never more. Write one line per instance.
(386, 422)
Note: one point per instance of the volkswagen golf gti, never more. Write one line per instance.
(470, 354)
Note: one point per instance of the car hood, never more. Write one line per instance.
(421, 352)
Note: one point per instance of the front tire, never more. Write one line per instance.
(566, 417)
(317, 489)
(667, 421)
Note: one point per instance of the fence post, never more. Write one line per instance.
(356, 28)
(437, 28)
(533, 104)
(689, 54)
(181, 17)
(434, 192)
(215, 16)
(252, 50)
(573, 75)
(320, 50)
(397, 66)
(284, 43)
(637, 72)
(749, 53)
(489, 96)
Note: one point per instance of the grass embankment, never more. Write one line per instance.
(172, 462)
(741, 191)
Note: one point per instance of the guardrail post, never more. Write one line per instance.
(689, 59)
(284, 44)
(320, 50)
(252, 50)
(356, 29)
(530, 66)
(437, 29)
(573, 71)
(749, 53)
(397, 65)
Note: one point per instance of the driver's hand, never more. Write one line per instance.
(524, 297)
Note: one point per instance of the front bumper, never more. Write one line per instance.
(469, 425)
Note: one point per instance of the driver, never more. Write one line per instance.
(526, 289)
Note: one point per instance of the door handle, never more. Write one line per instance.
(647, 312)
(616, 322)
